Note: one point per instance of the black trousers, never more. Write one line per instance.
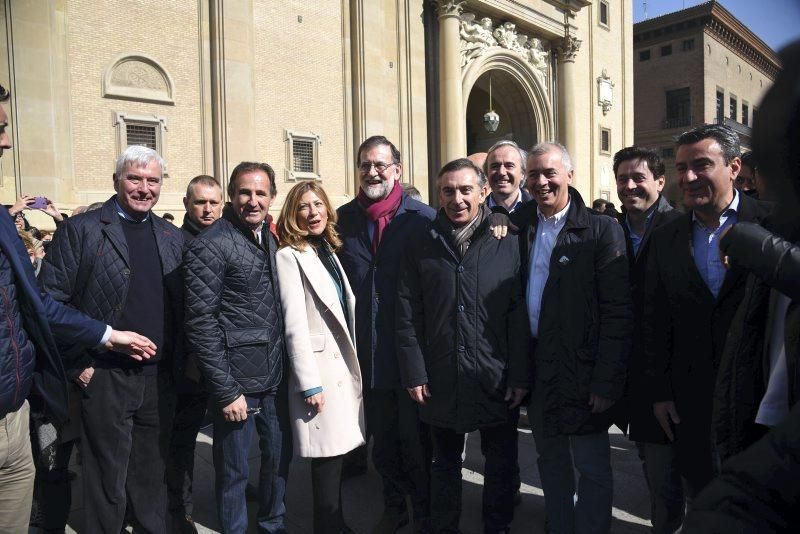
(497, 445)
(190, 410)
(126, 421)
(326, 484)
(401, 448)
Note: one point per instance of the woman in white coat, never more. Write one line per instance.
(325, 397)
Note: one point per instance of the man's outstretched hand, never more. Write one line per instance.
(135, 345)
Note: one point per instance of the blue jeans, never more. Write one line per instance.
(231, 449)
(559, 456)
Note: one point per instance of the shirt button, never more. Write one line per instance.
(461, 348)
(461, 307)
(339, 383)
(460, 268)
(126, 272)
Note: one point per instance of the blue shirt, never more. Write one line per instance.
(546, 234)
(705, 244)
(636, 239)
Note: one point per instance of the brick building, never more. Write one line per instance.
(299, 84)
(696, 66)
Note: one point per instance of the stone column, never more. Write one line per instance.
(453, 140)
(567, 97)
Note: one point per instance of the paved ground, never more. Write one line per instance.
(362, 494)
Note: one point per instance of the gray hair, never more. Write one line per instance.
(543, 148)
(727, 138)
(463, 163)
(523, 155)
(137, 156)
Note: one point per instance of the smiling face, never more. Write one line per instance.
(312, 215)
(378, 172)
(461, 195)
(204, 204)
(548, 181)
(637, 188)
(703, 176)
(138, 188)
(252, 199)
(505, 171)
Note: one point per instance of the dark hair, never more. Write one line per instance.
(728, 139)
(412, 191)
(599, 203)
(372, 142)
(463, 163)
(749, 160)
(653, 160)
(168, 216)
(202, 179)
(250, 166)
(4, 94)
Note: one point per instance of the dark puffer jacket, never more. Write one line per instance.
(462, 327)
(586, 319)
(234, 324)
(88, 267)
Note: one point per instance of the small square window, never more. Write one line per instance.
(144, 130)
(605, 140)
(666, 50)
(687, 44)
(644, 55)
(603, 14)
(302, 156)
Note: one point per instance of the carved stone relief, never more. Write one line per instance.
(138, 77)
(605, 92)
(479, 36)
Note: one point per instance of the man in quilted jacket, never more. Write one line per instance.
(120, 264)
(234, 327)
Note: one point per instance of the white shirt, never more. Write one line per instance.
(546, 234)
(517, 203)
(774, 406)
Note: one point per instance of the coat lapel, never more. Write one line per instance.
(748, 212)
(322, 285)
(113, 231)
(683, 255)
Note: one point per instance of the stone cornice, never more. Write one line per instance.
(718, 21)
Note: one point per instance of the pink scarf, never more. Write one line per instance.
(381, 211)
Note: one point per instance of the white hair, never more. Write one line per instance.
(543, 148)
(523, 155)
(137, 156)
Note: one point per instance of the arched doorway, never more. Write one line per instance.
(510, 102)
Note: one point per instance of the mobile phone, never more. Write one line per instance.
(39, 203)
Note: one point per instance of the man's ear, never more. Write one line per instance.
(116, 182)
(185, 203)
(660, 182)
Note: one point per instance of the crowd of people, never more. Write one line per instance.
(388, 321)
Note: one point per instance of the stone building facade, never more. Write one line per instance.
(299, 85)
(697, 66)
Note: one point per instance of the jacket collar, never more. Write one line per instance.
(230, 215)
(190, 226)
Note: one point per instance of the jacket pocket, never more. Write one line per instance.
(317, 342)
(243, 337)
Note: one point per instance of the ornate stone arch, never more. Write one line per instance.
(529, 81)
(138, 77)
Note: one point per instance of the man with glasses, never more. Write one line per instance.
(375, 228)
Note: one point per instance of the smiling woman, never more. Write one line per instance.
(325, 406)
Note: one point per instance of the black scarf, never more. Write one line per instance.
(461, 237)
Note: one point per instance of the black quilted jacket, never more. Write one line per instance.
(87, 267)
(234, 324)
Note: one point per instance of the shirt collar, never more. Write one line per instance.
(122, 213)
(491, 202)
(556, 218)
(732, 209)
(647, 220)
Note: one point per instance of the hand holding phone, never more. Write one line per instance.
(39, 203)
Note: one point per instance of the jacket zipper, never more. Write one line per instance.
(9, 320)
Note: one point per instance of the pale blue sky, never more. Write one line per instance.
(776, 22)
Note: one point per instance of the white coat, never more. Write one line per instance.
(321, 352)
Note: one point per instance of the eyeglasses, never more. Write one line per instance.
(380, 167)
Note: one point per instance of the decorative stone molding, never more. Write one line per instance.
(479, 36)
(605, 92)
(449, 8)
(138, 77)
(568, 48)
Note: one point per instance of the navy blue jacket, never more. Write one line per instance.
(373, 280)
(44, 320)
